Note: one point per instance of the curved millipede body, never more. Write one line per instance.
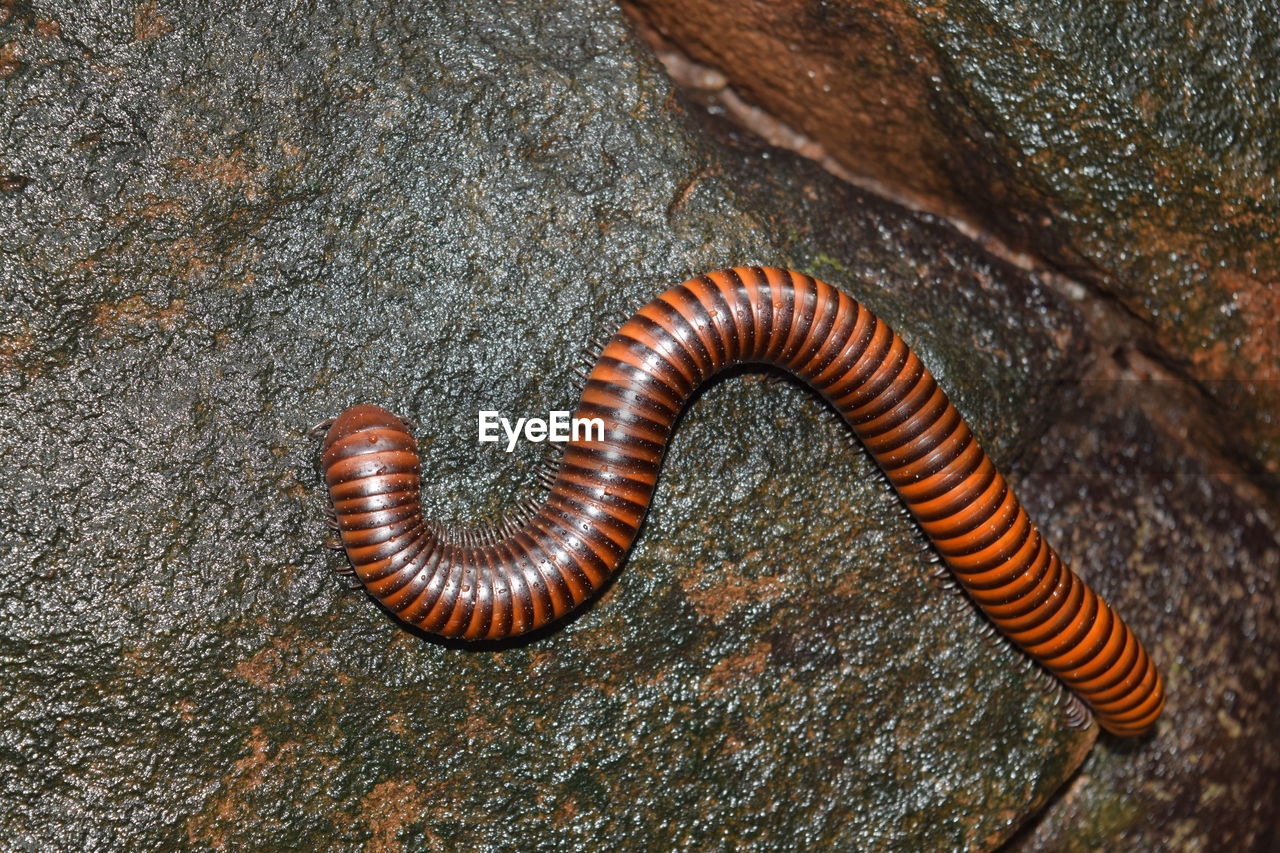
(542, 567)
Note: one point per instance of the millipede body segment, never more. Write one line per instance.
(540, 568)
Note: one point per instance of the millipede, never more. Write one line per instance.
(542, 564)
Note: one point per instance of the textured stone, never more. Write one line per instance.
(1131, 146)
(234, 221)
(1202, 568)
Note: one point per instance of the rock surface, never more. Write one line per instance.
(1203, 580)
(1131, 146)
(223, 223)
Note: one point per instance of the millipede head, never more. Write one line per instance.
(362, 417)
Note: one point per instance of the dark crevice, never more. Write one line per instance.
(1114, 329)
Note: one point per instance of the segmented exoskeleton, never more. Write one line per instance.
(539, 569)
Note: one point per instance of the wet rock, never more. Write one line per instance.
(241, 220)
(1132, 147)
(1118, 489)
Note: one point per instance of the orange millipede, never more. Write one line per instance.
(540, 567)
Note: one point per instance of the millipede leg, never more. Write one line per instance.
(549, 467)
(1077, 713)
(1047, 682)
(317, 430)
